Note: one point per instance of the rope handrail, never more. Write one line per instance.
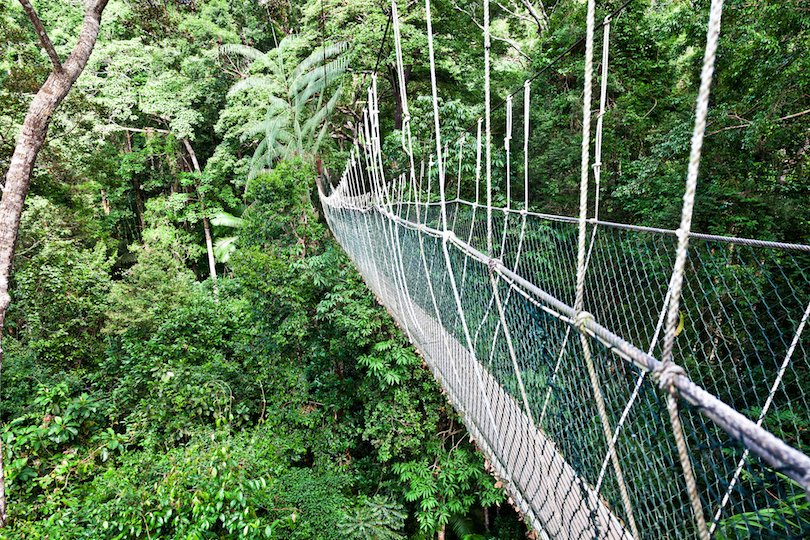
(790, 246)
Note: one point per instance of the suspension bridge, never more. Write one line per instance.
(622, 381)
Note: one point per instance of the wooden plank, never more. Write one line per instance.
(556, 499)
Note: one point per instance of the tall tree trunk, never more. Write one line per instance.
(30, 141)
(209, 245)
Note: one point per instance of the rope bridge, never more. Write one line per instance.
(622, 381)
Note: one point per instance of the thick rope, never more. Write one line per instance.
(508, 150)
(668, 369)
(488, 125)
(581, 315)
(527, 86)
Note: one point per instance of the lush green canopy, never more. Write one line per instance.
(138, 403)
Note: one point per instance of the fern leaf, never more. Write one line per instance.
(223, 248)
(319, 56)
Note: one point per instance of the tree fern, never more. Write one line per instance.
(298, 108)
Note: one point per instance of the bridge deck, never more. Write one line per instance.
(542, 484)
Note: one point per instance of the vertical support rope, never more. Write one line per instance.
(478, 165)
(526, 119)
(448, 234)
(597, 151)
(586, 141)
(460, 156)
(437, 130)
(669, 370)
(507, 148)
(581, 314)
(488, 125)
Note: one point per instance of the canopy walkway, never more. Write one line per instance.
(622, 381)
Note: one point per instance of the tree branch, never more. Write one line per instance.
(515, 14)
(729, 128)
(795, 115)
(44, 40)
(506, 40)
(140, 130)
(541, 17)
(745, 125)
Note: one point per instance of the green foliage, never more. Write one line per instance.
(60, 290)
(158, 282)
(59, 443)
(448, 486)
(189, 372)
(298, 109)
(373, 518)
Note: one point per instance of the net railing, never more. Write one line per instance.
(532, 410)
(623, 381)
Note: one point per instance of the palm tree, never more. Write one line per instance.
(299, 107)
(225, 246)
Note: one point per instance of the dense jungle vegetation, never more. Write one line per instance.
(148, 393)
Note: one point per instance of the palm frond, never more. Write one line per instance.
(255, 81)
(319, 56)
(322, 114)
(318, 77)
(244, 51)
(226, 219)
(224, 247)
(293, 117)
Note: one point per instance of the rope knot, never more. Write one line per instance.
(492, 264)
(666, 374)
(582, 319)
(448, 236)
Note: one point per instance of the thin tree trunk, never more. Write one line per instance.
(30, 141)
(136, 186)
(440, 534)
(209, 245)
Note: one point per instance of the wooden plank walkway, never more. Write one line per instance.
(558, 503)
